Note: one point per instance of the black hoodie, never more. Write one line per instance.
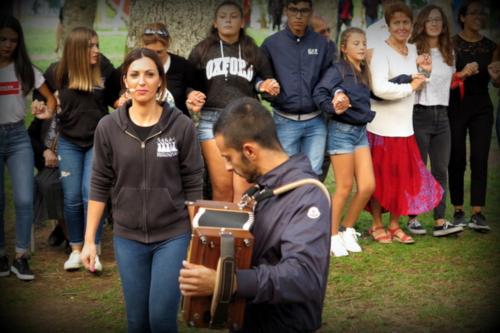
(149, 181)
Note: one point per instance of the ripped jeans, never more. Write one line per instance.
(75, 164)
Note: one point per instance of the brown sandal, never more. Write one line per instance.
(399, 235)
(380, 235)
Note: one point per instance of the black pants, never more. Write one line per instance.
(432, 132)
(474, 114)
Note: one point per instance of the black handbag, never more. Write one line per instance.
(49, 194)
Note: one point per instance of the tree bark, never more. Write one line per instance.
(78, 13)
(188, 21)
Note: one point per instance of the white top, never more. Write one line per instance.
(437, 90)
(11, 94)
(394, 114)
(376, 34)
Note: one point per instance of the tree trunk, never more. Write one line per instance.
(328, 10)
(188, 21)
(78, 13)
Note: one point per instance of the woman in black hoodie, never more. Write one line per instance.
(82, 78)
(148, 158)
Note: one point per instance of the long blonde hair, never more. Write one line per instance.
(362, 75)
(74, 68)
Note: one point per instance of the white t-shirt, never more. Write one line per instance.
(11, 94)
(376, 33)
(394, 114)
(437, 90)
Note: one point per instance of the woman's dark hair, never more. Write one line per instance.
(419, 37)
(248, 46)
(139, 53)
(362, 75)
(395, 8)
(22, 62)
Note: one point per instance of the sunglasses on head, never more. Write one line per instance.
(162, 32)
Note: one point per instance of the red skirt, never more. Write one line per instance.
(403, 185)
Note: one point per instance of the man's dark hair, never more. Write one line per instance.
(289, 2)
(244, 120)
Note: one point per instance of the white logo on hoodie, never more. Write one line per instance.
(166, 147)
(225, 66)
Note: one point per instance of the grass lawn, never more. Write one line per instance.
(436, 285)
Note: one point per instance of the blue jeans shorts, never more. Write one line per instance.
(208, 117)
(345, 138)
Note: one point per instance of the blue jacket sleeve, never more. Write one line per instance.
(325, 90)
(300, 275)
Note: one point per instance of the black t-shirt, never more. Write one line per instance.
(141, 131)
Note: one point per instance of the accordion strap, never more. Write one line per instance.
(224, 282)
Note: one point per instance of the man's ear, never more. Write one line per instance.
(250, 150)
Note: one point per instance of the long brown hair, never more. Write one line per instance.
(419, 37)
(74, 68)
(248, 46)
(362, 75)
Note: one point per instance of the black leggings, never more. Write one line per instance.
(475, 115)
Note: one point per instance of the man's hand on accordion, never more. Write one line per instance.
(196, 280)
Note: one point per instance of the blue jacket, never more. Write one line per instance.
(341, 76)
(286, 285)
(298, 64)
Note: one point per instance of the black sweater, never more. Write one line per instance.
(82, 110)
(149, 180)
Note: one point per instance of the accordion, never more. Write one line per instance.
(220, 240)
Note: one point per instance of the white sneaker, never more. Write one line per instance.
(74, 262)
(350, 238)
(97, 264)
(337, 247)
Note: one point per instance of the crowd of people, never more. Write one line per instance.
(378, 106)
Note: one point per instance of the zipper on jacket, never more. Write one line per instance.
(144, 209)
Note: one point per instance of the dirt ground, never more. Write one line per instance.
(59, 301)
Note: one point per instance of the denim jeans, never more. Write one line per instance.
(149, 275)
(75, 164)
(432, 132)
(17, 154)
(307, 136)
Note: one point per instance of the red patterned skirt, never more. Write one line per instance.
(403, 185)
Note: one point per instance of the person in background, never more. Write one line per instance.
(471, 111)
(404, 186)
(230, 65)
(431, 35)
(18, 77)
(299, 57)
(148, 160)
(285, 286)
(370, 11)
(83, 79)
(344, 95)
(494, 71)
(344, 15)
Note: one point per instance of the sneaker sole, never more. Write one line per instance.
(478, 227)
(20, 276)
(4, 274)
(448, 232)
(417, 232)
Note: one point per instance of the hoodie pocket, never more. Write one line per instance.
(161, 208)
(128, 208)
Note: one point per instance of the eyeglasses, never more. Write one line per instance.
(434, 20)
(295, 11)
(162, 32)
(480, 13)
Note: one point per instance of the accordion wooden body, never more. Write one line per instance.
(219, 227)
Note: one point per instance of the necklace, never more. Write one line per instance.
(400, 49)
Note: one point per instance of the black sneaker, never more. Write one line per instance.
(478, 222)
(459, 219)
(415, 227)
(21, 268)
(4, 266)
(56, 237)
(446, 229)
